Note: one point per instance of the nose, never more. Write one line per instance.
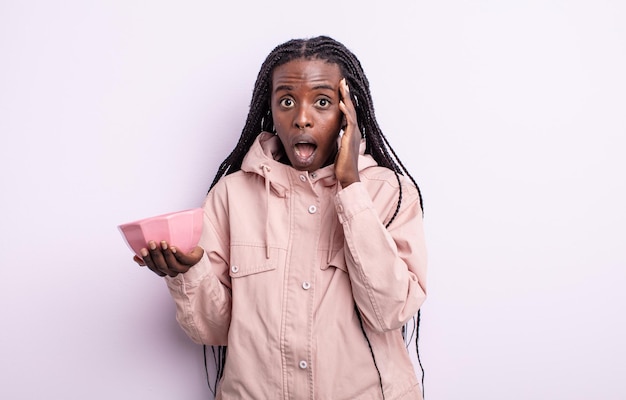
(303, 119)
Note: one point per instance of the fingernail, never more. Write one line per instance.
(152, 245)
(173, 249)
(144, 252)
(164, 245)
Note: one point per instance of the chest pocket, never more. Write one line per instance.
(250, 260)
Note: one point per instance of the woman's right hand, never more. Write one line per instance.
(167, 260)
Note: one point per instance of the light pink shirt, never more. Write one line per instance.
(287, 255)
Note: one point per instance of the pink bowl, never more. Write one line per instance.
(180, 229)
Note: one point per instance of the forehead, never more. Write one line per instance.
(306, 71)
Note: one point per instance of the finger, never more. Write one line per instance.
(351, 131)
(147, 259)
(191, 258)
(345, 96)
(344, 90)
(349, 114)
(139, 261)
(348, 122)
(156, 255)
(173, 265)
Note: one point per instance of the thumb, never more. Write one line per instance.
(139, 261)
(191, 258)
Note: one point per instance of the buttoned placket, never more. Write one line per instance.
(302, 263)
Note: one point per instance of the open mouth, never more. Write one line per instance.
(304, 151)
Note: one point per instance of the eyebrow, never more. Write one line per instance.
(283, 87)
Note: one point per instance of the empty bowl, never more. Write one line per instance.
(180, 229)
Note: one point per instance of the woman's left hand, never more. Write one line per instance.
(165, 260)
(346, 164)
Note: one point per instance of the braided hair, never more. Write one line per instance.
(259, 119)
(330, 50)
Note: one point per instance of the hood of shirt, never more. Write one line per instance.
(263, 159)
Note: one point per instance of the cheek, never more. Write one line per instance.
(339, 118)
(278, 120)
(335, 124)
(330, 141)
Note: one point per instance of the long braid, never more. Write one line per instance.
(259, 119)
(369, 345)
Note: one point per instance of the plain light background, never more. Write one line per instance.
(510, 114)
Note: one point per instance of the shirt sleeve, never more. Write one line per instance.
(387, 266)
(203, 294)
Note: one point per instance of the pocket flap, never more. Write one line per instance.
(248, 260)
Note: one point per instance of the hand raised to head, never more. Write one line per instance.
(346, 164)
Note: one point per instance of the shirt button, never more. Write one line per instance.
(312, 209)
(302, 178)
(234, 269)
(303, 364)
(306, 285)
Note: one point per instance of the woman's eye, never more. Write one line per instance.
(286, 103)
(323, 102)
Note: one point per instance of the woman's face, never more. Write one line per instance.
(305, 110)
